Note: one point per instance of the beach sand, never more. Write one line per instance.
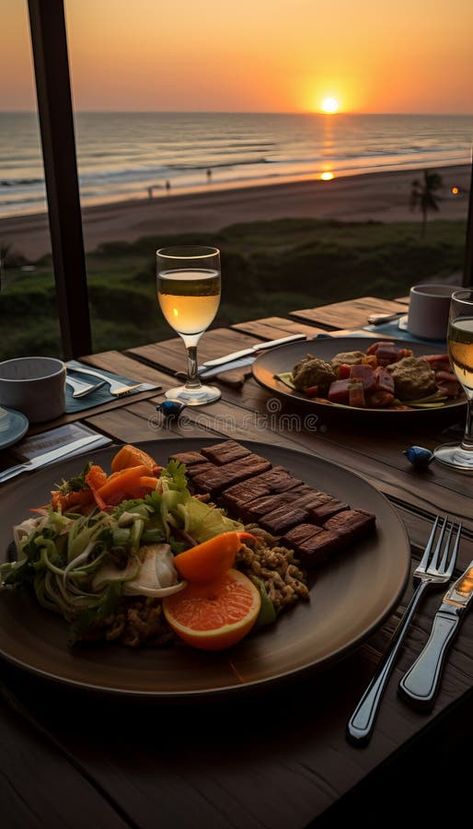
(382, 196)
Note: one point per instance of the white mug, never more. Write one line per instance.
(34, 386)
(428, 310)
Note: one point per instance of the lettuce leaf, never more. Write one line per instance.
(174, 475)
(203, 521)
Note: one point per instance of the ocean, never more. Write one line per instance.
(122, 155)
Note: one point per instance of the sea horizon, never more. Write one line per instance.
(314, 113)
(127, 154)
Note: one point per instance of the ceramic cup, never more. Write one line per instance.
(428, 310)
(34, 386)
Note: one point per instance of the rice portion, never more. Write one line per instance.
(276, 566)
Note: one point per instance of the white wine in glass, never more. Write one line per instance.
(460, 350)
(189, 296)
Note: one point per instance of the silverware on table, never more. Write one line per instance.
(245, 352)
(82, 389)
(116, 387)
(434, 569)
(48, 457)
(379, 319)
(207, 373)
(420, 683)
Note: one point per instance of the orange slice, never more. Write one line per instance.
(131, 456)
(211, 559)
(217, 615)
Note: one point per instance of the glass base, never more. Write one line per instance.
(452, 455)
(194, 397)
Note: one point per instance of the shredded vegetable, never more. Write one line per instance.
(83, 566)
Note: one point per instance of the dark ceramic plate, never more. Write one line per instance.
(351, 596)
(278, 360)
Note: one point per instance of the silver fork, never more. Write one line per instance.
(82, 389)
(115, 386)
(433, 570)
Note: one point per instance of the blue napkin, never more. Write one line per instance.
(391, 329)
(95, 398)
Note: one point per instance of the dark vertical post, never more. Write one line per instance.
(49, 41)
(468, 265)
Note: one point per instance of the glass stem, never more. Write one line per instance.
(467, 442)
(193, 381)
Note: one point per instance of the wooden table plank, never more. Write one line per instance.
(222, 419)
(352, 313)
(39, 785)
(171, 355)
(272, 328)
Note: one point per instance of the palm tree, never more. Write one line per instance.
(423, 195)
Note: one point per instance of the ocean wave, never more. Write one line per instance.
(220, 164)
(20, 182)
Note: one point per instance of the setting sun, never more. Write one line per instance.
(329, 105)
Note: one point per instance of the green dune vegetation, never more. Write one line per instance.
(268, 268)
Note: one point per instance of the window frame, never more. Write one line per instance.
(53, 90)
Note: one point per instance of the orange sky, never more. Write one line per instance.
(254, 55)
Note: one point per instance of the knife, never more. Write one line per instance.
(207, 373)
(420, 684)
(48, 457)
(246, 352)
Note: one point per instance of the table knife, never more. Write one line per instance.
(420, 684)
(48, 457)
(207, 373)
(245, 352)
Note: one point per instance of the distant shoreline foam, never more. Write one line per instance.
(242, 183)
(373, 196)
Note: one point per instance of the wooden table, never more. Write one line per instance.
(280, 760)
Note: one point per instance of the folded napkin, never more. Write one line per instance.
(391, 329)
(101, 395)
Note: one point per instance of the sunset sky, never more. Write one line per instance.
(254, 55)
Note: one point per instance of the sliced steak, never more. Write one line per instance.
(189, 458)
(226, 452)
(321, 513)
(282, 519)
(216, 478)
(312, 498)
(299, 534)
(261, 506)
(351, 524)
(317, 547)
(275, 480)
(199, 469)
(314, 544)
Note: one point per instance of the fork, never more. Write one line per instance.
(115, 386)
(435, 568)
(81, 389)
(379, 319)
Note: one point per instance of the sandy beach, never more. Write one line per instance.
(380, 196)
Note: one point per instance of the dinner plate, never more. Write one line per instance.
(12, 427)
(351, 595)
(283, 358)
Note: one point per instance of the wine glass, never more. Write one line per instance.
(189, 295)
(460, 350)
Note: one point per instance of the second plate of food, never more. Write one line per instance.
(352, 374)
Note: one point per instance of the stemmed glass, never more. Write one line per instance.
(460, 350)
(189, 295)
